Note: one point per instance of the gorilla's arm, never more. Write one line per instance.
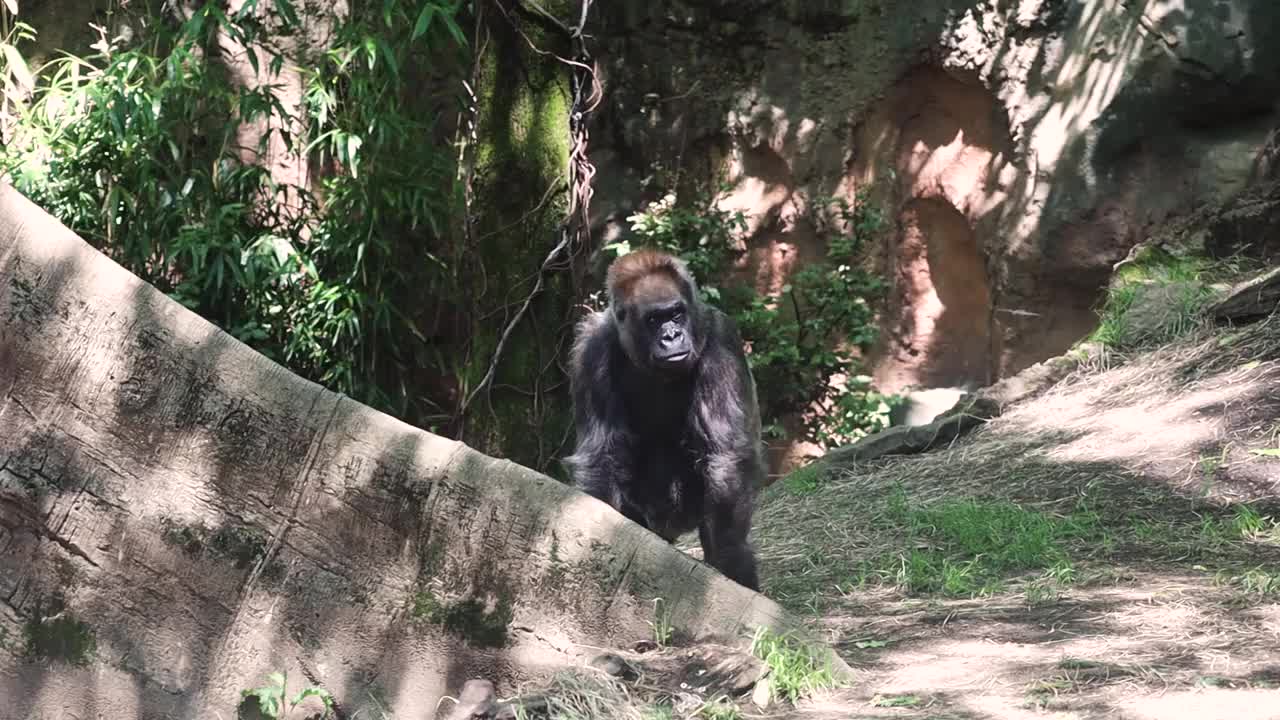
(728, 419)
(600, 463)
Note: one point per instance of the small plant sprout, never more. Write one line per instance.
(273, 700)
(661, 623)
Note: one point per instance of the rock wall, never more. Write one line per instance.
(1021, 147)
(180, 517)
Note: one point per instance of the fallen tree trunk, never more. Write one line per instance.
(1252, 299)
(179, 516)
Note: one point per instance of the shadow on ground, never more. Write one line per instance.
(1168, 603)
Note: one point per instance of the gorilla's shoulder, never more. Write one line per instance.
(592, 325)
(592, 334)
(722, 325)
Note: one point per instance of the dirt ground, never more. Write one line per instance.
(1170, 605)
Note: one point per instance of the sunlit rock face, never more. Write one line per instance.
(937, 145)
(1019, 149)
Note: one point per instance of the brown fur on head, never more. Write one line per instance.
(645, 274)
(641, 280)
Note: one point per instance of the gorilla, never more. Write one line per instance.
(665, 412)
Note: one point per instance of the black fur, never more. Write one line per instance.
(672, 450)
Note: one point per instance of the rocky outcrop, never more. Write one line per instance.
(970, 411)
(1022, 148)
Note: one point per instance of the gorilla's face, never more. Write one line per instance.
(670, 335)
(659, 328)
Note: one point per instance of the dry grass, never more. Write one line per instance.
(584, 694)
(1167, 575)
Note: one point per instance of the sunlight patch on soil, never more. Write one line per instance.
(1207, 704)
(1144, 419)
(1166, 601)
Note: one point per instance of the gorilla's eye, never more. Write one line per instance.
(622, 314)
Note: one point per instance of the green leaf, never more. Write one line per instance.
(424, 21)
(388, 55)
(452, 26)
(1268, 452)
(350, 151)
(18, 67)
(315, 692)
(286, 10)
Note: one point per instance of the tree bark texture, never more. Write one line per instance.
(180, 516)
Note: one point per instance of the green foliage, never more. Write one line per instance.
(897, 701)
(804, 480)
(273, 703)
(658, 712)
(807, 336)
(719, 708)
(1153, 299)
(1259, 581)
(136, 149)
(389, 195)
(962, 548)
(796, 669)
(663, 630)
(16, 79)
(700, 233)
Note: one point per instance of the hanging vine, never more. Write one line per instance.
(574, 242)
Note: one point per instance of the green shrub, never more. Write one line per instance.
(135, 148)
(795, 339)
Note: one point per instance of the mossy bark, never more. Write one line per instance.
(520, 186)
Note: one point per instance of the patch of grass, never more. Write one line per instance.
(1257, 581)
(658, 712)
(1205, 535)
(719, 708)
(849, 540)
(804, 480)
(1210, 464)
(1154, 298)
(795, 668)
(1043, 692)
(663, 630)
(428, 607)
(893, 701)
(1074, 675)
(1113, 329)
(1253, 525)
(967, 547)
(1049, 586)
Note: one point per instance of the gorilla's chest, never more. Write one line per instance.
(657, 408)
(667, 454)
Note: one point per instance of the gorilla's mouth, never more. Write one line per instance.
(673, 359)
